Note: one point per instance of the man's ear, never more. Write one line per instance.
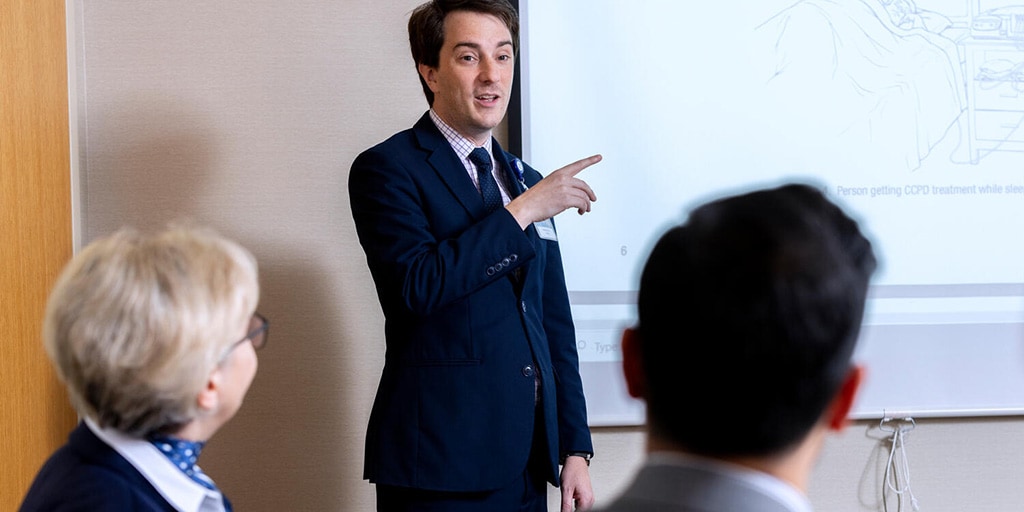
(429, 76)
(209, 397)
(842, 402)
(633, 364)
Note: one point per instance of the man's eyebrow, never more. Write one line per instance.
(476, 46)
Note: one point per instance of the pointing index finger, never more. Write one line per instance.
(574, 168)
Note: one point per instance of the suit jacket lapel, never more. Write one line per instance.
(507, 166)
(446, 164)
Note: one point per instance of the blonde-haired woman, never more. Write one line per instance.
(155, 339)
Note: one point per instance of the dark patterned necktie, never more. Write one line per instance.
(488, 187)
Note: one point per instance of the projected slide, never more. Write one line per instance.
(908, 113)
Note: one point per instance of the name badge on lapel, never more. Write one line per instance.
(517, 170)
(546, 230)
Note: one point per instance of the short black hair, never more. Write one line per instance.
(749, 313)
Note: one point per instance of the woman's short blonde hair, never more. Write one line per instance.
(136, 323)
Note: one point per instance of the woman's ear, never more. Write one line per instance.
(633, 364)
(209, 397)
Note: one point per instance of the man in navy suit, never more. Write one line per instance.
(480, 398)
(748, 316)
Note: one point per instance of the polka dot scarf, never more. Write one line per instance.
(184, 455)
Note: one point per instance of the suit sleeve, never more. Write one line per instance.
(573, 430)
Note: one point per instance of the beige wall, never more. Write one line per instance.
(246, 115)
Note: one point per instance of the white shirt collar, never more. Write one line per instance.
(768, 484)
(463, 146)
(460, 144)
(177, 488)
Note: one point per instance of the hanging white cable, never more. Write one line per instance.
(897, 469)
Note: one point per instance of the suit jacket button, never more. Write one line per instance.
(528, 371)
(491, 271)
(505, 262)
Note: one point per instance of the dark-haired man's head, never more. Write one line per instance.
(749, 313)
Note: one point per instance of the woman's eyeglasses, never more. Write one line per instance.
(259, 328)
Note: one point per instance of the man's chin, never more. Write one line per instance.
(489, 122)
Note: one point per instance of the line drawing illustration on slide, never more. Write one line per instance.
(893, 82)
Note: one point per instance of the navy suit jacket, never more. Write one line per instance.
(465, 336)
(88, 475)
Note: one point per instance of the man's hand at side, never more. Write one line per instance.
(575, 485)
